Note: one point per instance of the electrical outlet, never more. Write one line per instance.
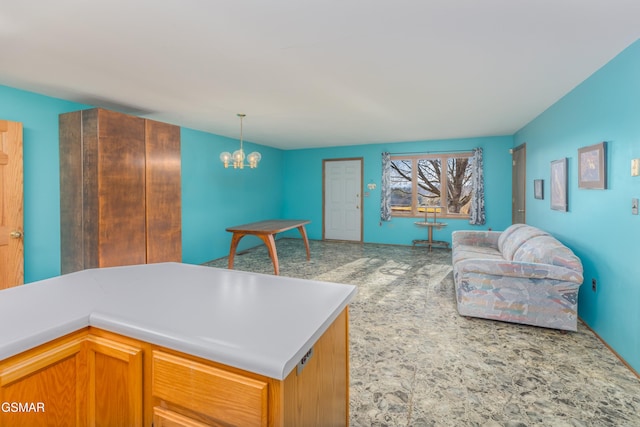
(593, 285)
(634, 206)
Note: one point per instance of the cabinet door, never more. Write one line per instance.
(120, 189)
(163, 192)
(44, 386)
(115, 383)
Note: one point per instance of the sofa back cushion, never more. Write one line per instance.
(514, 236)
(546, 249)
(506, 234)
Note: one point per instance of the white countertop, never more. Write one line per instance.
(256, 322)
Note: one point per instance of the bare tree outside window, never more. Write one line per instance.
(459, 184)
(429, 183)
(419, 182)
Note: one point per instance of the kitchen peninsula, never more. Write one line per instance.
(175, 344)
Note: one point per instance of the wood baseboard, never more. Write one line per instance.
(624, 362)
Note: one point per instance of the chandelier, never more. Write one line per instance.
(237, 158)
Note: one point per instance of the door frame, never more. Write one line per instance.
(324, 163)
(522, 166)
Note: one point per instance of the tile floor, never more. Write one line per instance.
(415, 362)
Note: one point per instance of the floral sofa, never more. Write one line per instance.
(521, 275)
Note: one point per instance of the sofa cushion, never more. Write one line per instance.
(546, 249)
(506, 234)
(463, 252)
(516, 237)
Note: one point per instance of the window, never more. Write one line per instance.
(419, 182)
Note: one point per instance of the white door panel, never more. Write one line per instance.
(343, 200)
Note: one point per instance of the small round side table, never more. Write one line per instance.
(430, 242)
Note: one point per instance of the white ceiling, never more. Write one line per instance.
(317, 72)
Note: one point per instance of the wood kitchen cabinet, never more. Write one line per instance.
(77, 380)
(98, 378)
(120, 190)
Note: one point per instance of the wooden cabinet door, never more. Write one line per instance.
(115, 383)
(120, 185)
(163, 192)
(45, 386)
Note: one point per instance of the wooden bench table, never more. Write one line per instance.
(266, 231)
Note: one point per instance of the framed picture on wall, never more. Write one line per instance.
(558, 188)
(538, 188)
(592, 167)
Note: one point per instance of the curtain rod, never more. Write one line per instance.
(434, 152)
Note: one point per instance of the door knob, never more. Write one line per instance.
(15, 234)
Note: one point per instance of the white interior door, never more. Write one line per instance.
(342, 200)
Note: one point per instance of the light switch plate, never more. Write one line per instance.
(634, 206)
(635, 167)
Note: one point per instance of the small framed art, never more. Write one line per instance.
(592, 167)
(538, 188)
(558, 190)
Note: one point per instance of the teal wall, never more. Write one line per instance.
(39, 117)
(303, 187)
(599, 225)
(213, 197)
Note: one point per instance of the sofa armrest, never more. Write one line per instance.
(475, 238)
(526, 270)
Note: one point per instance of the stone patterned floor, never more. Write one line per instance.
(415, 362)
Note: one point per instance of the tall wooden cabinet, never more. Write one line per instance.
(120, 190)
